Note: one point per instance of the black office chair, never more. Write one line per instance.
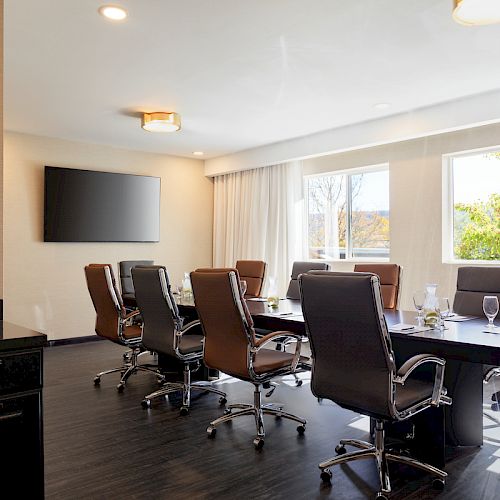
(163, 332)
(127, 285)
(353, 365)
(473, 283)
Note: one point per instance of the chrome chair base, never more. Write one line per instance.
(377, 451)
(186, 387)
(258, 410)
(130, 366)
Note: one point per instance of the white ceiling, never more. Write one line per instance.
(241, 73)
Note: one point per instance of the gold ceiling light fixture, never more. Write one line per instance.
(476, 12)
(161, 122)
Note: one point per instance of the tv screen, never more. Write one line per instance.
(86, 205)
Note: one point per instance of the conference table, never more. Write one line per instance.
(464, 345)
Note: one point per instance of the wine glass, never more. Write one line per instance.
(444, 310)
(490, 308)
(243, 287)
(418, 301)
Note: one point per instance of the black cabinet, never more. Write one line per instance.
(21, 428)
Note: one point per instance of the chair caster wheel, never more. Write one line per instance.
(340, 449)
(438, 484)
(184, 411)
(320, 400)
(277, 416)
(298, 383)
(381, 496)
(258, 443)
(120, 387)
(326, 476)
(97, 381)
(146, 403)
(211, 431)
(301, 429)
(222, 400)
(227, 411)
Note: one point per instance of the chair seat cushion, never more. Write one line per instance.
(191, 343)
(412, 392)
(132, 331)
(267, 360)
(129, 299)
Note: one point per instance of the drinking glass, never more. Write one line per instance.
(418, 300)
(490, 308)
(243, 287)
(444, 310)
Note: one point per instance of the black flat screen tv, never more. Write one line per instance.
(86, 206)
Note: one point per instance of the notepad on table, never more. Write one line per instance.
(407, 328)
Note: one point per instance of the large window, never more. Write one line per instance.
(348, 215)
(474, 207)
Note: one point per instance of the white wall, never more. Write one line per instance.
(415, 201)
(44, 283)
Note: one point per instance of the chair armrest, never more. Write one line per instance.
(260, 343)
(493, 372)
(130, 315)
(187, 327)
(414, 362)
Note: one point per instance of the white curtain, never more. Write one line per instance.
(258, 216)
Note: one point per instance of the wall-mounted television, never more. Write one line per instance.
(86, 206)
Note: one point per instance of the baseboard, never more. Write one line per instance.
(74, 340)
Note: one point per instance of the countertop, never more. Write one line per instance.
(18, 337)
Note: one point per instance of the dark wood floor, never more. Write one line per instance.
(102, 445)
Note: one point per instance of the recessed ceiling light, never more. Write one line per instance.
(476, 12)
(113, 12)
(382, 105)
(161, 122)
(198, 153)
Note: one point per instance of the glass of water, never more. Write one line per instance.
(490, 308)
(418, 301)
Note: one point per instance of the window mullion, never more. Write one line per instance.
(348, 236)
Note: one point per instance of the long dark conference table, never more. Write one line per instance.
(464, 345)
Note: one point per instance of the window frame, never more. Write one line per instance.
(447, 219)
(348, 172)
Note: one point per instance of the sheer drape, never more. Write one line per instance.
(258, 215)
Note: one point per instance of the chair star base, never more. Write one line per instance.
(258, 410)
(377, 451)
(130, 366)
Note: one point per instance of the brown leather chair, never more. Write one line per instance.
(390, 281)
(126, 283)
(164, 332)
(253, 272)
(113, 322)
(231, 345)
(345, 323)
(297, 269)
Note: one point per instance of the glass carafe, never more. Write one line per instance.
(272, 293)
(187, 291)
(431, 314)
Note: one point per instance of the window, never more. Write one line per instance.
(474, 207)
(348, 215)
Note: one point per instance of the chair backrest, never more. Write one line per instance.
(350, 344)
(106, 299)
(126, 267)
(226, 322)
(390, 281)
(299, 268)
(159, 311)
(253, 272)
(473, 283)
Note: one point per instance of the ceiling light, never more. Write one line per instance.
(113, 12)
(161, 122)
(198, 153)
(382, 105)
(476, 12)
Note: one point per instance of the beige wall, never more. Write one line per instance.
(415, 201)
(1, 149)
(44, 282)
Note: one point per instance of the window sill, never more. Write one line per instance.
(358, 260)
(493, 263)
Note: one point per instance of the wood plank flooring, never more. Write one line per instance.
(100, 444)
